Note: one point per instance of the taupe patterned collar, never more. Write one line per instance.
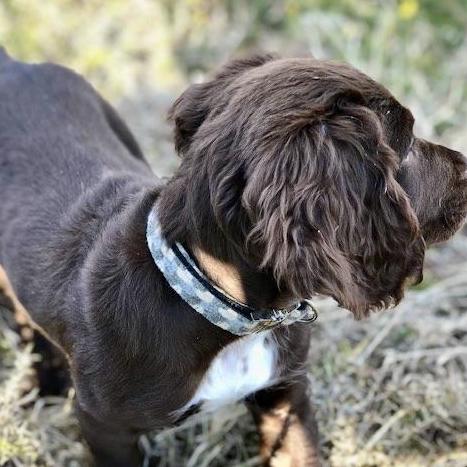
(194, 288)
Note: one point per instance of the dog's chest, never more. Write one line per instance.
(240, 369)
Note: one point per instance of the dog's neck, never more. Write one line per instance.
(227, 277)
(219, 259)
(224, 275)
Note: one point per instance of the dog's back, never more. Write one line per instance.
(53, 123)
(62, 148)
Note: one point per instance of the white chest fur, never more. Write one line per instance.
(240, 369)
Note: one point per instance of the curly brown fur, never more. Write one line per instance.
(302, 176)
(296, 169)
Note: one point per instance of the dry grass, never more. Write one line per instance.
(33, 431)
(389, 391)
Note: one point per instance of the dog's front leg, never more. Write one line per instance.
(286, 425)
(110, 445)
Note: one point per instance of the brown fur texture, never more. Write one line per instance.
(298, 177)
(297, 163)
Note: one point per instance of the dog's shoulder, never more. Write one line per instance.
(46, 96)
(18, 76)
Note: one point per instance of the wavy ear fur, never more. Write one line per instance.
(326, 211)
(289, 165)
(190, 110)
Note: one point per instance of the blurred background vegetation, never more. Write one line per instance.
(417, 48)
(390, 391)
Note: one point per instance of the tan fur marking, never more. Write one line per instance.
(295, 449)
(21, 315)
(25, 323)
(223, 275)
(227, 278)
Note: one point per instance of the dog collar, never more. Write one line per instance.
(208, 300)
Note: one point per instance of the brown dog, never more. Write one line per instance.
(298, 177)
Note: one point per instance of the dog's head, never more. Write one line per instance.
(314, 173)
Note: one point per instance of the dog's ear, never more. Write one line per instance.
(327, 215)
(190, 110)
